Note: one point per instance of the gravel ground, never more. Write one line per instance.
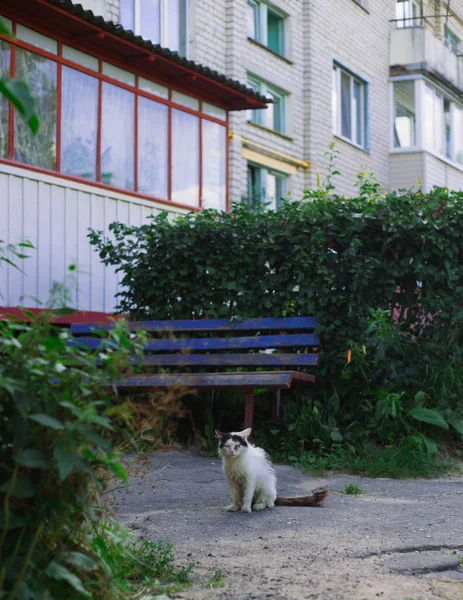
(400, 540)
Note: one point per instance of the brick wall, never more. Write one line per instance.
(358, 40)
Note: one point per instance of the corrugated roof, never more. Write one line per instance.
(88, 16)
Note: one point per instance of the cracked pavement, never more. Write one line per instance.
(400, 540)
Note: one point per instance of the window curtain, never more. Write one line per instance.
(346, 107)
(117, 137)
(41, 75)
(79, 126)
(185, 158)
(214, 155)
(152, 147)
(5, 54)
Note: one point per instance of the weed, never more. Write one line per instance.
(216, 580)
(134, 565)
(400, 461)
(352, 489)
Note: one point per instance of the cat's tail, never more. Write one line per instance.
(316, 499)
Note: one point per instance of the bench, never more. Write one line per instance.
(209, 347)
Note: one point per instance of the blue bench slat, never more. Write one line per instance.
(274, 380)
(278, 324)
(231, 343)
(232, 360)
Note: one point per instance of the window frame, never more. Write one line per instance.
(452, 41)
(413, 19)
(421, 83)
(138, 92)
(258, 117)
(261, 12)
(263, 172)
(339, 70)
(163, 24)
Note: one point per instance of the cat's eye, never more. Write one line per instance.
(236, 447)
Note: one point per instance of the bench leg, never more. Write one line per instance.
(248, 408)
(276, 405)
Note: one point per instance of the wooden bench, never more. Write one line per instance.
(217, 345)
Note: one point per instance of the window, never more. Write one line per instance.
(266, 26)
(214, 146)
(438, 127)
(185, 158)
(274, 116)
(41, 74)
(163, 22)
(265, 186)
(5, 57)
(404, 114)
(407, 13)
(80, 114)
(452, 41)
(349, 106)
(110, 127)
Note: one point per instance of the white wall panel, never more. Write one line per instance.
(55, 215)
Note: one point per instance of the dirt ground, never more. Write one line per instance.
(400, 540)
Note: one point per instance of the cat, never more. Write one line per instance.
(251, 477)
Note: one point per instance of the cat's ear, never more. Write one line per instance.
(245, 433)
(219, 434)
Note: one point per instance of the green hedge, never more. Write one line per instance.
(346, 261)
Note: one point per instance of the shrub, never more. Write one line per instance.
(382, 273)
(57, 413)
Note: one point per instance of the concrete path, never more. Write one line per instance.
(401, 540)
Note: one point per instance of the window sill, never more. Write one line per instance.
(351, 143)
(268, 130)
(280, 56)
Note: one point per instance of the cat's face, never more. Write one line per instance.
(233, 444)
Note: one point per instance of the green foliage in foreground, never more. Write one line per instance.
(57, 421)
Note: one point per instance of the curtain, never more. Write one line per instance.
(117, 137)
(185, 158)
(346, 110)
(152, 147)
(214, 155)
(41, 75)
(5, 55)
(79, 124)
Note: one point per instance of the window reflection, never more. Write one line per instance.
(117, 137)
(185, 158)
(79, 124)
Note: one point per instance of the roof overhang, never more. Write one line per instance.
(74, 25)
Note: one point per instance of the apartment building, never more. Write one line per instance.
(164, 104)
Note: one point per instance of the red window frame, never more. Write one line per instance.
(61, 61)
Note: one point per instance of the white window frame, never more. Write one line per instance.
(411, 14)
(263, 174)
(259, 116)
(420, 85)
(336, 107)
(450, 37)
(163, 9)
(261, 11)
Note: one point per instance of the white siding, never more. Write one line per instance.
(55, 216)
(406, 170)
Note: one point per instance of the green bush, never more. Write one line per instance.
(383, 274)
(57, 416)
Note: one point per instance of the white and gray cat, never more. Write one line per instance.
(251, 477)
